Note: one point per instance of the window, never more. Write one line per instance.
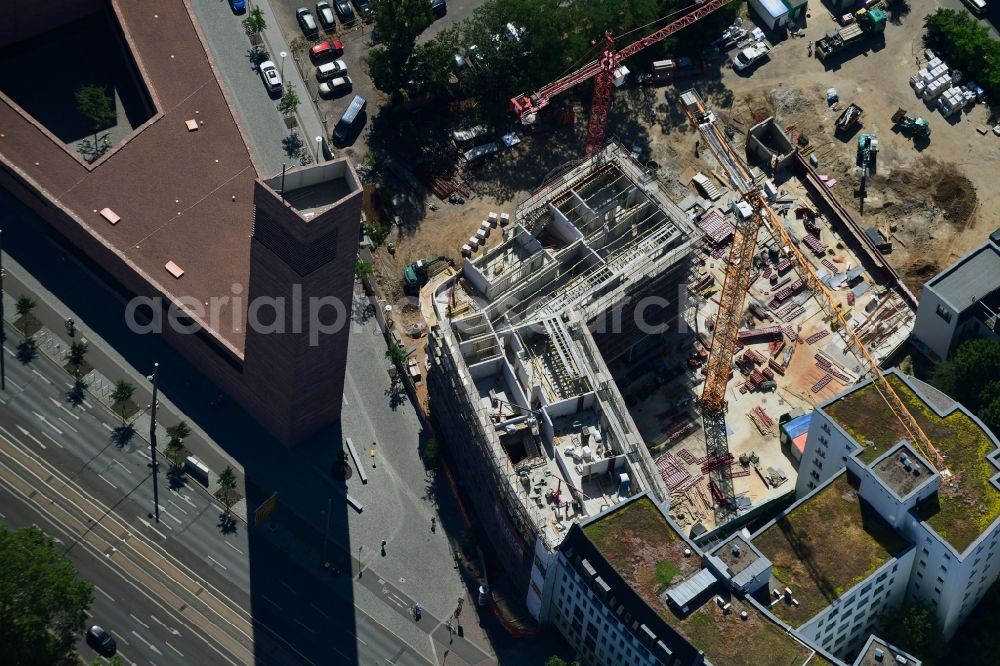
(943, 312)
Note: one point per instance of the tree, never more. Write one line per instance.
(397, 355)
(254, 24)
(94, 102)
(24, 306)
(75, 356)
(965, 44)
(399, 22)
(227, 484)
(176, 435)
(43, 601)
(915, 629)
(122, 394)
(363, 268)
(431, 64)
(559, 661)
(289, 101)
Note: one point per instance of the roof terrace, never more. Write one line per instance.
(967, 502)
(824, 546)
(647, 552)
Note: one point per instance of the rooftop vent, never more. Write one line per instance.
(736, 550)
(687, 552)
(743, 615)
(900, 659)
(879, 655)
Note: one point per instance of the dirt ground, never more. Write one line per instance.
(940, 200)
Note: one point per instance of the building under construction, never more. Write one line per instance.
(518, 376)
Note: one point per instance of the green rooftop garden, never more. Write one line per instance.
(966, 503)
(824, 547)
(648, 554)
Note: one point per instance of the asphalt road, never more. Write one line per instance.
(292, 615)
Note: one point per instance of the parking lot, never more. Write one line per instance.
(357, 42)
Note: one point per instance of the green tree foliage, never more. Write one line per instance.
(24, 305)
(972, 377)
(176, 435)
(43, 602)
(75, 356)
(227, 484)
(289, 101)
(400, 22)
(94, 102)
(363, 268)
(559, 661)
(397, 355)
(254, 24)
(121, 394)
(966, 44)
(914, 629)
(430, 66)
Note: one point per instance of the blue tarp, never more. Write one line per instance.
(798, 426)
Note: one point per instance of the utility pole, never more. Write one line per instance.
(326, 534)
(3, 329)
(152, 442)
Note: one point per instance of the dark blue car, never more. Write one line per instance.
(238, 6)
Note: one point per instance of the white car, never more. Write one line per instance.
(328, 70)
(336, 86)
(269, 73)
(325, 14)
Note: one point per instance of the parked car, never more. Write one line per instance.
(364, 8)
(333, 48)
(269, 73)
(328, 70)
(439, 8)
(306, 21)
(461, 66)
(336, 86)
(238, 6)
(101, 641)
(351, 121)
(325, 14)
(344, 11)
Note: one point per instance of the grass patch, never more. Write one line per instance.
(967, 503)
(826, 546)
(665, 572)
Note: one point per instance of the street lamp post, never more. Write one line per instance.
(3, 330)
(283, 54)
(319, 147)
(152, 442)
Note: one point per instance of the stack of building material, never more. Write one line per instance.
(680, 431)
(793, 334)
(689, 458)
(825, 364)
(734, 474)
(821, 384)
(817, 336)
(717, 229)
(777, 367)
(953, 100)
(672, 472)
(768, 375)
(754, 335)
(717, 462)
(774, 348)
(755, 358)
(829, 265)
(815, 244)
(783, 266)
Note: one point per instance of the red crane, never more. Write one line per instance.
(603, 68)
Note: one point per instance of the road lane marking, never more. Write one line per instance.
(303, 624)
(109, 428)
(173, 648)
(318, 610)
(28, 434)
(16, 385)
(271, 602)
(177, 507)
(161, 623)
(115, 460)
(104, 593)
(52, 439)
(234, 548)
(106, 481)
(46, 421)
(44, 378)
(143, 521)
(148, 644)
(63, 407)
(173, 518)
(218, 562)
(290, 588)
(66, 423)
(186, 499)
(138, 620)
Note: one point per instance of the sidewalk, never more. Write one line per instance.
(108, 367)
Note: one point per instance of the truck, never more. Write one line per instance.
(915, 127)
(867, 23)
(750, 54)
(849, 118)
(420, 271)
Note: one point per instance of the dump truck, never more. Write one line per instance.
(849, 118)
(420, 271)
(867, 23)
(914, 127)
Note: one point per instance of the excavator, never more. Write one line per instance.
(420, 271)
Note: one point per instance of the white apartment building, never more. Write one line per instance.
(960, 303)
(951, 516)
